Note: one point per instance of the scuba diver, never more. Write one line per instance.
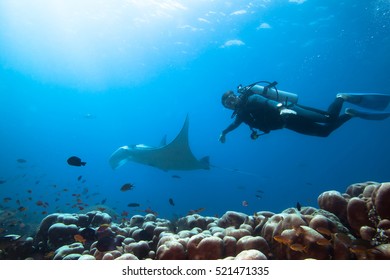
(266, 108)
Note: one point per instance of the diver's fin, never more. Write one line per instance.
(375, 101)
(367, 115)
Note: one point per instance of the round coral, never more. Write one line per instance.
(382, 199)
(205, 248)
(358, 214)
(171, 250)
(334, 202)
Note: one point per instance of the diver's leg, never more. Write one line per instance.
(335, 108)
(308, 127)
(339, 121)
(310, 113)
(317, 115)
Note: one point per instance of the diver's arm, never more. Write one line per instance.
(231, 127)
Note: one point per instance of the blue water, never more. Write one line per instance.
(86, 78)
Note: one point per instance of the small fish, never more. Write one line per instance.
(133, 205)
(6, 199)
(150, 211)
(127, 187)
(79, 238)
(20, 160)
(49, 255)
(298, 206)
(102, 228)
(103, 201)
(176, 176)
(2, 181)
(21, 208)
(358, 250)
(79, 178)
(171, 202)
(282, 239)
(196, 211)
(323, 242)
(258, 196)
(124, 213)
(298, 247)
(75, 161)
(244, 203)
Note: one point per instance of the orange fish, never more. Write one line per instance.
(298, 247)
(150, 211)
(358, 249)
(124, 213)
(79, 238)
(323, 242)
(282, 239)
(39, 203)
(298, 230)
(49, 255)
(21, 208)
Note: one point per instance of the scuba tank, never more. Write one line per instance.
(271, 92)
(268, 91)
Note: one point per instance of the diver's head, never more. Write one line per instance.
(230, 100)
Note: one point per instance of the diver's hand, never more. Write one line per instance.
(222, 138)
(286, 112)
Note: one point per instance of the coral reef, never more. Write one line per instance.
(352, 225)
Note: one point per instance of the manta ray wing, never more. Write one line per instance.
(177, 155)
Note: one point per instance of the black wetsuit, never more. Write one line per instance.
(263, 114)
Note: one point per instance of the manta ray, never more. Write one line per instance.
(176, 155)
